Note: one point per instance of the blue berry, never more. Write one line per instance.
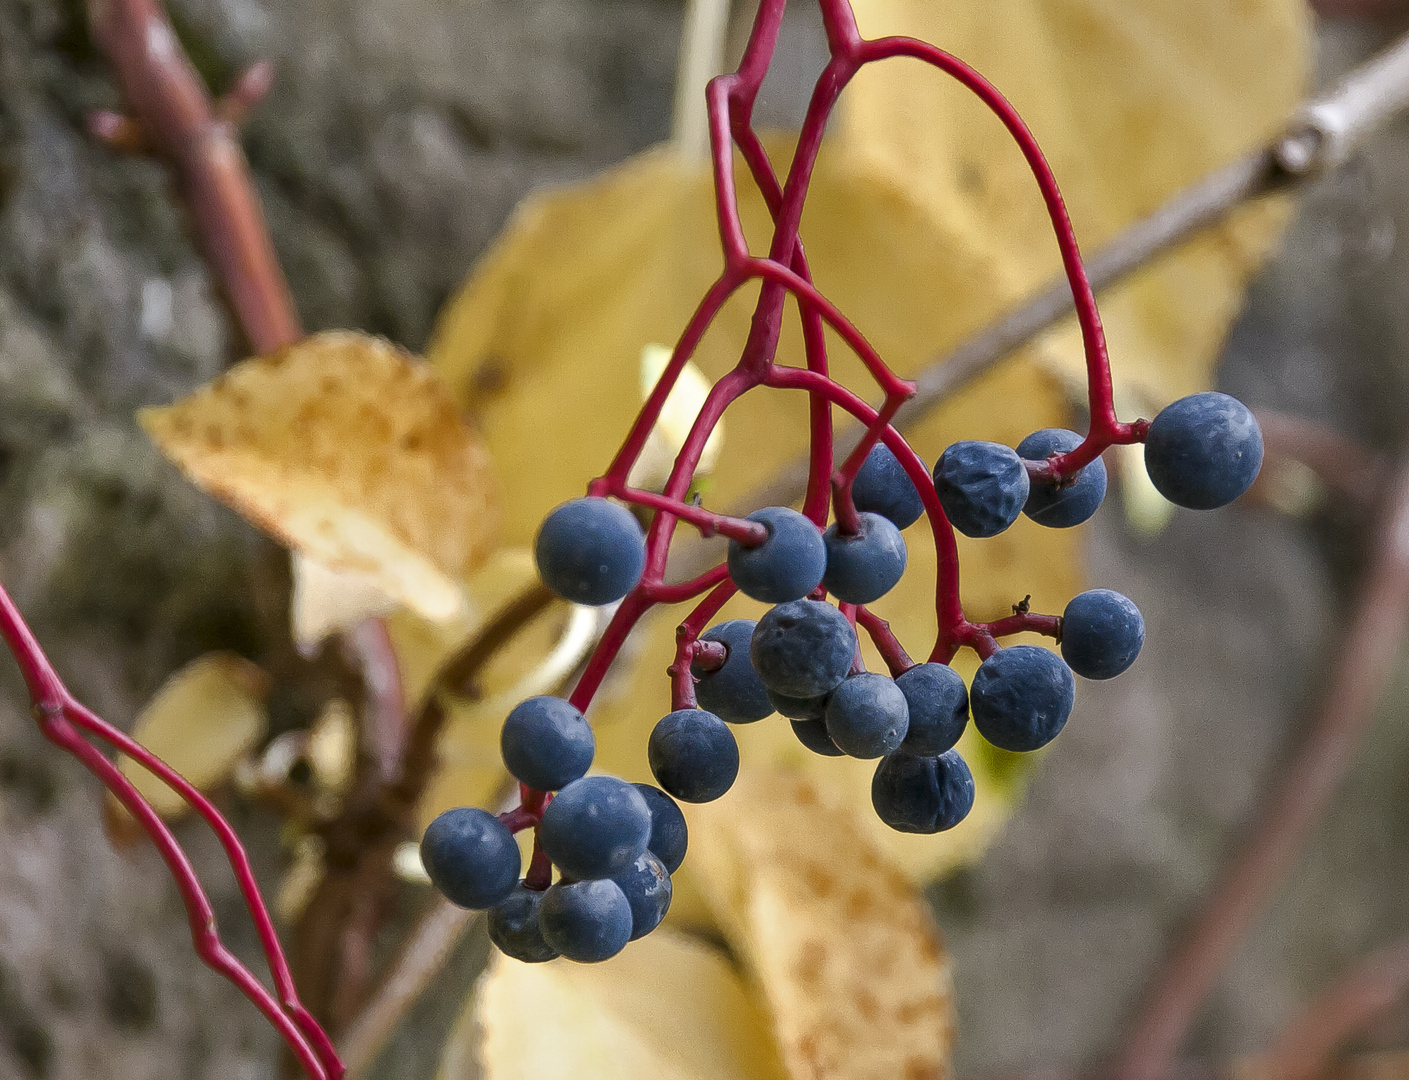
(813, 735)
(669, 836)
(546, 743)
(513, 926)
(1102, 632)
(646, 884)
(939, 708)
(786, 566)
(586, 921)
(734, 692)
(865, 565)
(1203, 451)
(1021, 697)
(867, 716)
(471, 857)
(1062, 507)
(981, 485)
(922, 794)
(799, 708)
(803, 649)
(693, 755)
(591, 551)
(883, 487)
(596, 827)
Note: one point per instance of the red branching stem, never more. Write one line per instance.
(897, 660)
(61, 717)
(517, 820)
(748, 533)
(1025, 622)
(688, 590)
(848, 520)
(540, 869)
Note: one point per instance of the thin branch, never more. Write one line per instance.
(174, 114)
(1370, 989)
(1370, 645)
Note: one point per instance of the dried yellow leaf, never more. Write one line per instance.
(203, 722)
(327, 601)
(349, 450)
(852, 968)
(1131, 103)
(667, 1008)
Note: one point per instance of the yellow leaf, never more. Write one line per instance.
(1131, 102)
(202, 722)
(326, 601)
(652, 468)
(668, 1008)
(851, 967)
(350, 451)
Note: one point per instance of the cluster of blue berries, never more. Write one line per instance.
(616, 844)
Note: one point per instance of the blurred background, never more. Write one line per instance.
(395, 142)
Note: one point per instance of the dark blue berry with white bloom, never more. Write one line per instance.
(795, 708)
(982, 486)
(883, 487)
(813, 735)
(788, 565)
(1021, 697)
(803, 649)
(1203, 451)
(586, 921)
(471, 857)
(669, 836)
(1102, 632)
(939, 708)
(864, 565)
(734, 692)
(591, 551)
(596, 827)
(646, 885)
(867, 716)
(1061, 507)
(513, 926)
(547, 743)
(922, 794)
(693, 755)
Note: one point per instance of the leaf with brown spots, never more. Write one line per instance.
(851, 967)
(350, 451)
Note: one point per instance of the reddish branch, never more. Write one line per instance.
(1369, 648)
(172, 115)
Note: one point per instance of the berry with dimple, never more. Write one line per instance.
(1021, 697)
(922, 794)
(1203, 451)
(883, 487)
(513, 926)
(813, 735)
(799, 708)
(669, 836)
(939, 708)
(1061, 507)
(981, 485)
(591, 551)
(646, 885)
(596, 827)
(586, 921)
(867, 716)
(733, 692)
(803, 649)
(865, 565)
(788, 565)
(1102, 632)
(471, 857)
(546, 743)
(693, 755)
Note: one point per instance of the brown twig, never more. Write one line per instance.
(1369, 647)
(172, 115)
(1345, 465)
(1370, 989)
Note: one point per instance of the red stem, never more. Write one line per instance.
(887, 644)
